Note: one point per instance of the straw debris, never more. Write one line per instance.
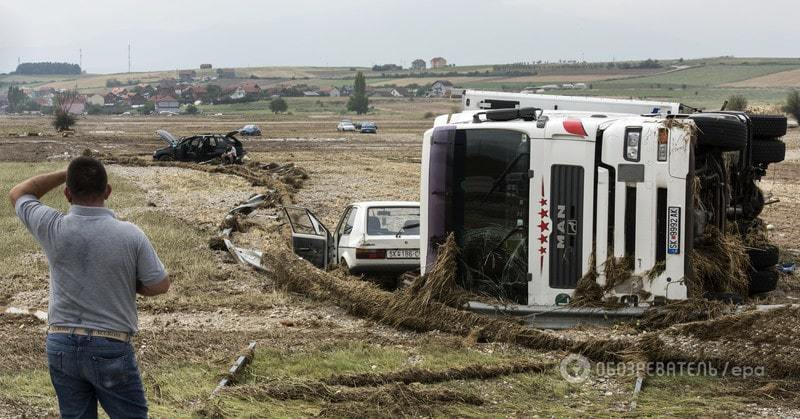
(719, 264)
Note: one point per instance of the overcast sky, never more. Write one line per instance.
(170, 34)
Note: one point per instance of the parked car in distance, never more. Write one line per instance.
(198, 148)
(346, 125)
(369, 128)
(250, 130)
(370, 237)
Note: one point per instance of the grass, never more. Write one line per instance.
(707, 75)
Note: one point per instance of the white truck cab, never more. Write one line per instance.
(540, 193)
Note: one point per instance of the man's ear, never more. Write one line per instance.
(68, 194)
(107, 192)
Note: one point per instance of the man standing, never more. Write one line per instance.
(97, 265)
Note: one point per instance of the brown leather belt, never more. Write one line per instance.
(81, 331)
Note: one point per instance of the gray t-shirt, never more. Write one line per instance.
(95, 261)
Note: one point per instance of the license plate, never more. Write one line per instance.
(402, 254)
(674, 230)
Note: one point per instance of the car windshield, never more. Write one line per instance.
(385, 221)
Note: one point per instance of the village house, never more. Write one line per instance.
(135, 100)
(331, 91)
(78, 107)
(441, 88)
(438, 62)
(109, 99)
(399, 92)
(166, 104)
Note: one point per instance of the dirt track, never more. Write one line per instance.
(213, 318)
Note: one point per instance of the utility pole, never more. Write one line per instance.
(80, 58)
(129, 58)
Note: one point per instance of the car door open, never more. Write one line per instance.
(311, 240)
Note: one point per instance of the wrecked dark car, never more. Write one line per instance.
(200, 148)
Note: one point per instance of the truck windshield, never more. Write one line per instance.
(487, 209)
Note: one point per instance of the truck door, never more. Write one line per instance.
(310, 239)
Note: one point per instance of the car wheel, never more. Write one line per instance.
(165, 157)
(763, 258)
(720, 131)
(768, 151)
(768, 126)
(763, 281)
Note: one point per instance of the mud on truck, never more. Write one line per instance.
(544, 193)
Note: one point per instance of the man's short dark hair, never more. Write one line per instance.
(86, 178)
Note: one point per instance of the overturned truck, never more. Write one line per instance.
(544, 193)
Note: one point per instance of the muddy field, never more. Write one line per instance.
(314, 357)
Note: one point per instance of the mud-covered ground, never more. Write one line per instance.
(190, 337)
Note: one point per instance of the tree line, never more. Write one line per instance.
(47, 68)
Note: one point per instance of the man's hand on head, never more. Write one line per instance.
(37, 186)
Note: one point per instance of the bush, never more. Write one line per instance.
(429, 115)
(63, 120)
(278, 105)
(192, 110)
(113, 83)
(792, 106)
(736, 103)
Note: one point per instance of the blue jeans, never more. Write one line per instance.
(88, 369)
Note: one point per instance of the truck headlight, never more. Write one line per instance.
(633, 144)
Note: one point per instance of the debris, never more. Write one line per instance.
(720, 264)
(235, 370)
(788, 267)
(41, 315)
(425, 376)
(694, 309)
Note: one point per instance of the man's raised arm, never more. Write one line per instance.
(37, 186)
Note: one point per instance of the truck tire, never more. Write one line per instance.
(768, 126)
(768, 151)
(763, 281)
(720, 131)
(764, 257)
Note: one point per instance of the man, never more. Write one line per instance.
(97, 265)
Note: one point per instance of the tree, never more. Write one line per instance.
(213, 92)
(63, 104)
(278, 105)
(192, 110)
(147, 108)
(792, 106)
(736, 103)
(16, 99)
(359, 102)
(113, 83)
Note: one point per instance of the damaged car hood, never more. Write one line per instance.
(166, 136)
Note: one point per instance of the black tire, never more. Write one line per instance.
(763, 258)
(768, 151)
(768, 126)
(763, 281)
(720, 131)
(165, 157)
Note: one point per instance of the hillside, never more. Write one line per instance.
(700, 82)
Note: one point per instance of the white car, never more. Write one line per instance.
(346, 125)
(371, 237)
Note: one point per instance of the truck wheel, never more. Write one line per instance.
(768, 126)
(763, 281)
(764, 257)
(768, 151)
(165, 157)
(720, 131)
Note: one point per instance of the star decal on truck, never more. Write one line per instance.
(544, 227)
